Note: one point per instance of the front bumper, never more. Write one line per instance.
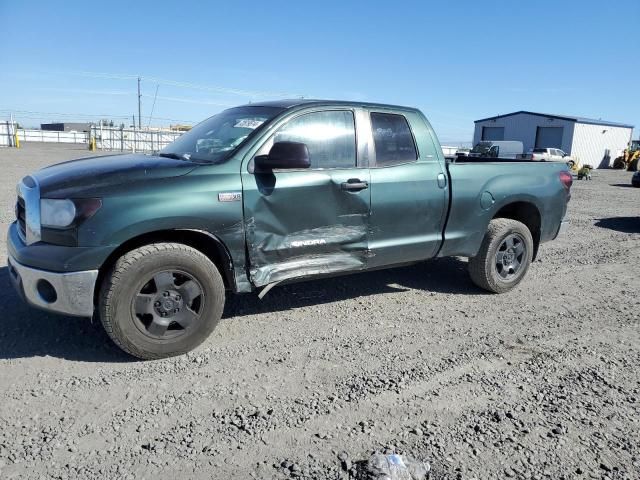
(70, 293)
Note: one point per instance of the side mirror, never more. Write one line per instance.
(283, 155)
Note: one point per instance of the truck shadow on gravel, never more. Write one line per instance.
(442, 275)
(27, 332)
(620, 224)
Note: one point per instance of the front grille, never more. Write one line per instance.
(21, 217)
(28, 211)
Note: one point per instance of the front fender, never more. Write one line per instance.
(190, 202)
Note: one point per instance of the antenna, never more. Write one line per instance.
(139, 107)
(153, 106)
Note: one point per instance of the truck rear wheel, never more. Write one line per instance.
(504, 256)
(161, 300)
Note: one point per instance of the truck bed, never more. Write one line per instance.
(480, 188)
(467, 159)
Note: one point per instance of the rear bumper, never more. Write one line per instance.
(70, 293)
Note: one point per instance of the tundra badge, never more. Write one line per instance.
(230, 197)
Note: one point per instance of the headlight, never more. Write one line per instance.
(57, 213)
(64, 213)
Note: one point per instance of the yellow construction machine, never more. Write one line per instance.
(629, 159)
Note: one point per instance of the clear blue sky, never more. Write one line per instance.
(456, 60)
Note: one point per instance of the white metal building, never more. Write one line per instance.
(594, 142)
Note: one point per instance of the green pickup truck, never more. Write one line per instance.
(264, 194)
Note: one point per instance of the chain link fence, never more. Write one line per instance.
(106, 138)
(132, 140)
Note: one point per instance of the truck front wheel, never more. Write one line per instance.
(161, 300)
(504, 256)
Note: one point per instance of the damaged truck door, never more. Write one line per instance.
(306, 220)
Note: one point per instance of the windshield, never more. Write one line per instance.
(482, 147)
(213, 140)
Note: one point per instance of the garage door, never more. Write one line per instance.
(493, 134)
(549, 137)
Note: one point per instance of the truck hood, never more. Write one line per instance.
(90, 176)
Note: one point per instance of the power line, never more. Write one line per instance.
(36, 115)
(194, 101)
(194, 86)
(63, 114)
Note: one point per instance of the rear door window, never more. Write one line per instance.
(392, 139)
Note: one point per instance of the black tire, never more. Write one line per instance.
(491, 274)
(619, 163)
(185, 272)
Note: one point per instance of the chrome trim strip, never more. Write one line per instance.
(74, 289)
(20, 234)
(564, 226)
(31, 197)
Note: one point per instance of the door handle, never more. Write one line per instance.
(442, 180)
(354, 185)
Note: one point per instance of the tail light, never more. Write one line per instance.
(567, 179)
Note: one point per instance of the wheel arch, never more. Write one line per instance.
(201, 240)
(527, 213)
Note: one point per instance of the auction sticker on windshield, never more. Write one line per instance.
(251, 123)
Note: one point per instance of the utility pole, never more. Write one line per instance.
(139, 107)
(12, 138)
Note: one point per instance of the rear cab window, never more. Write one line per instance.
(393, 140)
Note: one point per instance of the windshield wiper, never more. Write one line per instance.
(175, 156)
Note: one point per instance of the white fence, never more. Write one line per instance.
(7, 134)
(33, 135)
(108, 138)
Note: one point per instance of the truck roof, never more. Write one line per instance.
(297, 102)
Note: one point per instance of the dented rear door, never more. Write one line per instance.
(302, 223)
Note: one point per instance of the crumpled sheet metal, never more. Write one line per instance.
(323, 250)
(233, 236)
(306, 266)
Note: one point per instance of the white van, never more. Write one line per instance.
(497, 149)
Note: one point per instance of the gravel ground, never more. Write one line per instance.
(542, 382)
